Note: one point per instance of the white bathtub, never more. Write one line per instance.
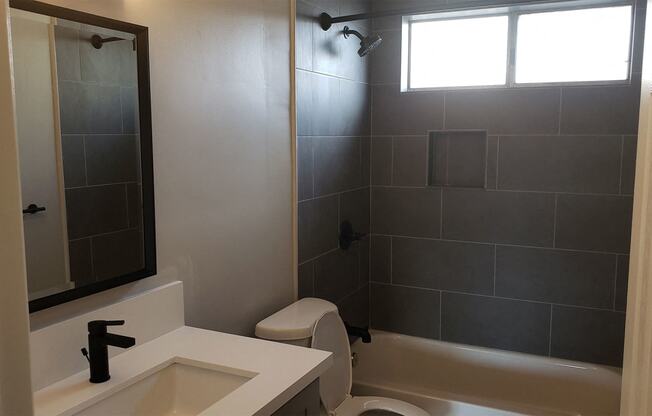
(457, 380)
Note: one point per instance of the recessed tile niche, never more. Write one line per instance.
(458, 158)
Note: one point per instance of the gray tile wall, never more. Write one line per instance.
(334, 129)
(537, 262)
(101, 159)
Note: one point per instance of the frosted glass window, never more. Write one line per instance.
(574, 46)
(459, 52)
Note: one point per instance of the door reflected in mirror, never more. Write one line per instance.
(81, 156)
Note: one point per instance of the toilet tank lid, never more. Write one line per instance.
(294, 322)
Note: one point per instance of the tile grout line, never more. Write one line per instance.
(514, 191)
(561, 104)
(489, 243)
(441, 301)
(391, 260)
(318, 256)
(495, 267)
(122, 230)
(497, 160)
(554, 223)
(622, 162)
(481, 295)
(391, 163)
(90, 243)
(85, 163)
(616, 282)
(550, 333)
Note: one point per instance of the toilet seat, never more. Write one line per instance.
(329, 334)
(356, 406)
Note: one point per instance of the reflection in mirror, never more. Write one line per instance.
(80, 152)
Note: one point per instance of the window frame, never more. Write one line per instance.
(513, 13)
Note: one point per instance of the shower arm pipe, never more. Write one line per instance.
(326, 21)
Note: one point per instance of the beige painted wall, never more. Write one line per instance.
(15, 389)
(223, 171)
(220, 77)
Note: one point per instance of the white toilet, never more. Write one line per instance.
(316, 323)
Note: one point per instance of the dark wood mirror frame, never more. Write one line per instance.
(145, 116)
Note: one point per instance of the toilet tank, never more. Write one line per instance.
(294, 324)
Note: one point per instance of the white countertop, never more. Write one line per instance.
(282, 372)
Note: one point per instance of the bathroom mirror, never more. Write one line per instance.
(85, 148)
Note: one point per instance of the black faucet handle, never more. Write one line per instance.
(95, 327)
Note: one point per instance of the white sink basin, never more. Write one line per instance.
(178, 389)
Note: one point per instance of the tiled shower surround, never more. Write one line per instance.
(99, 126)
(334, 129)
(537, 262)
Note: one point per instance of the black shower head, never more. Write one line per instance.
(367, 43)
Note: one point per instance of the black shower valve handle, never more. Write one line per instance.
(348, 235)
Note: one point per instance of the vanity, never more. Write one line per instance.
(192, 371)
(173, 369)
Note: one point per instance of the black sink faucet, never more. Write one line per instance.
(98, 342)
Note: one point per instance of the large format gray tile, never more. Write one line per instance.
(629, 165)
(304, 26)
(81, 262)
(354, 207)
(337, 164)
(394, 21)
(318, 227)
(495, 323)
(337, 274)
(504, 111)
(304, 103)
(351, 66)
(405, 310)
(89, 108)
(74, 161)
(386, 60)
(354, 309)
(130, 110)
(365, 260)
(96, 210)
(556, 276)
(492, 162)
(67, 47)
(305, 168)
(135, 205)
(114, 63)
(600, 110)
(409, 161)
(365, 145)
(327, 45)
(639, 36)
(355, 108)
(397, 113)
(111, 159)
(498, 217)
(326, 111)
(590, 222)
(409, 212)
(118, 254)
(381, 259)
(587, 164)
(461, 267)
(458, 158)
(381, 161)
(306, 280)
(622, 279)
(588, 335)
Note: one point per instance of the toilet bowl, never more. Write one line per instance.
(316, 323)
